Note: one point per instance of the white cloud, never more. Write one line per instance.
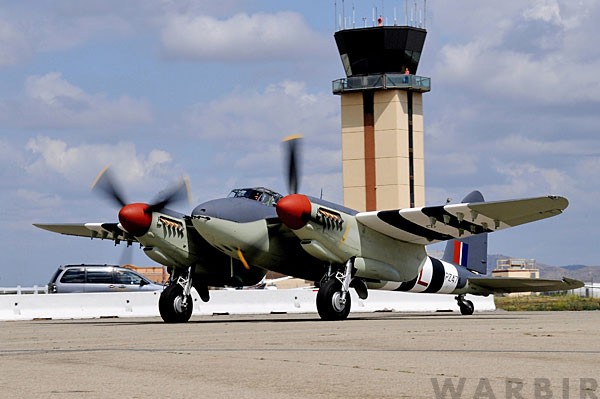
(526, 179)
(26, 31)
(248, 126)
(52, 101)
(281, 109)
(79, 164)
(241, 38)
(545, 10)
(52, 90)
(514, 102)
(528, 146)
(55, 26)
(527, 55)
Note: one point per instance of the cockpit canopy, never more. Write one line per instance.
(260, 194)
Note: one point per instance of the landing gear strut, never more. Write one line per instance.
(175, 303)
(466, 306)
(333, 298)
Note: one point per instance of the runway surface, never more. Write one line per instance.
(383, 355)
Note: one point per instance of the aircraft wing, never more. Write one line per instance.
(433, 224)
(110, 231)
(503, 285)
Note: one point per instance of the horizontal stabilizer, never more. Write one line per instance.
(110, 231)
(504, 285)
(433, 224)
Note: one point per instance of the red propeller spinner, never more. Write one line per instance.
(294, 210)
(136, 218)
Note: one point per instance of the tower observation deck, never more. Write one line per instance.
(382, 116)
(377, 58)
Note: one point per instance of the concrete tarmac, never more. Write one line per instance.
(381, 355)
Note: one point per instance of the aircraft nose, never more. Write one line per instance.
(206, 211)
(136, 218)
(294, 210)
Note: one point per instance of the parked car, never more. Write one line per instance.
(99, 278)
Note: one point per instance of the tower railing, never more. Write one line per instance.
(382, 81)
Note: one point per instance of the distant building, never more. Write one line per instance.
(282, 281)
(519, 268)
(508, 267)
(157, 274)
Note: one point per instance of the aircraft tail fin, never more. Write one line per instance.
(470, 252)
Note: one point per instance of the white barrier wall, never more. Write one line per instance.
(145, 304)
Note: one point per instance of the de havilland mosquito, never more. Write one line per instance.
(234, 241)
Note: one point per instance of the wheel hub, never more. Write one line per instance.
(338, 303)
(179, 305)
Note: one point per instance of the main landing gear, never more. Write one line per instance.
(175, 304)
(466, 307)
(333, 298)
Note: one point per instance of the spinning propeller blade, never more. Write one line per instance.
(137, 217)
(177, 192)
(106, 185)
(294, 209)
(293, 168)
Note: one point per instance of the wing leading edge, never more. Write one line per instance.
(110, 231)
(433, 224)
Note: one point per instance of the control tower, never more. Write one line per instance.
(382, 116)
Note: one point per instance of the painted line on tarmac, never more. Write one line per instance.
(4, 352)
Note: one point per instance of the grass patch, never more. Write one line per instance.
(542, 302)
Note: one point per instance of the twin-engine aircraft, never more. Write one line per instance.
(234, 241)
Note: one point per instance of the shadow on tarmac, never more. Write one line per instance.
(291, 318)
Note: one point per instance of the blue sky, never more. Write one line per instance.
(149, 87)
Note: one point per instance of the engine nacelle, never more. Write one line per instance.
(169, 241)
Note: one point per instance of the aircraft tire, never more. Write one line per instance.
(169, 305)
(467, 308)
(328, 306)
